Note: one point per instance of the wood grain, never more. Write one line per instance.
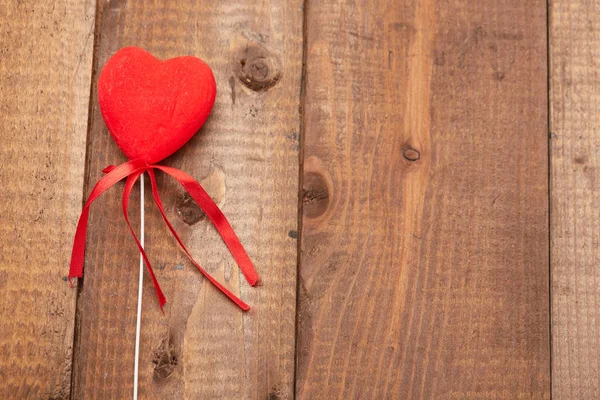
(45, 64)
(247, 155)
(424, 268)
(575, 198)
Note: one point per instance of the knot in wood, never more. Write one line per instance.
(257, 68)
(411, 154)
(188, 211)
(315, 197)
(165, 359)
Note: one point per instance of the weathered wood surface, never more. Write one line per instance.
(45, 64)
(247, 155)
(424, 171)
(424, 268)
(575, 198)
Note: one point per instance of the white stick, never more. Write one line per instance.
(140, 290)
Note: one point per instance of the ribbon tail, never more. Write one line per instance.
(115, 175)
(217, 218)
(131, 179)
(227, 293)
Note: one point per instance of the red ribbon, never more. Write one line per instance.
(132, 170)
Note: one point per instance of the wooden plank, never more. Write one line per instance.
(575, 199)
(247, 155)
(424, 270)
(45, 67)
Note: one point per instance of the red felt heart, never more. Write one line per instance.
(153, 107)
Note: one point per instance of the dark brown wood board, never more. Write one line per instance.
(45, 64)
(575, 199)
(445, 181)
(424, 265)
(247, 157)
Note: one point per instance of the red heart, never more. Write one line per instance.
(153, 107)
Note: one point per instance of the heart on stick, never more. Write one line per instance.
(153, 107)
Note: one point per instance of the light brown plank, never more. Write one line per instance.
(45, 67)
(424, 270)
(575, 198)
(247, 155)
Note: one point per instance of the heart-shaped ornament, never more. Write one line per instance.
(153, 107)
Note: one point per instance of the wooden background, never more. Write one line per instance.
(415, 181)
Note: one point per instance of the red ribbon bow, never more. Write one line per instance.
(132, 170)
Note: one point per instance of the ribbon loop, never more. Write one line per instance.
(219, 221)
(227, 293)
(132, 170)
(105, 183)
